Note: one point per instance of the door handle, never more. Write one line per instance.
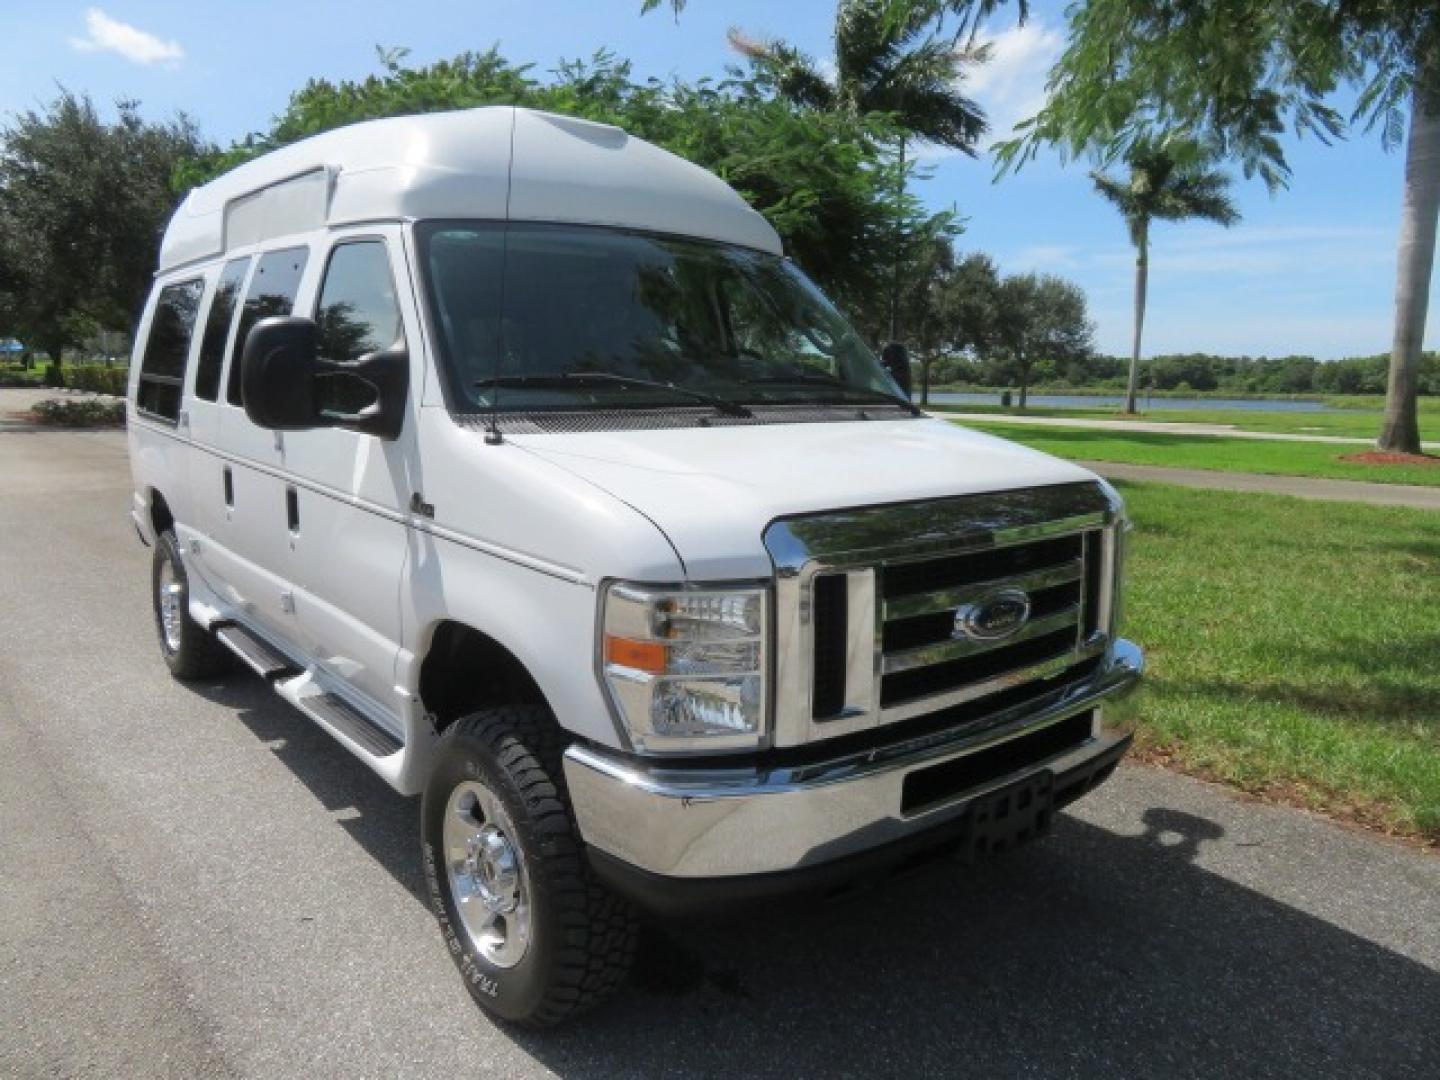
(292, 508)
(229, 480)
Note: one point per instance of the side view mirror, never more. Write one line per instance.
(896, 361)
(287, 387)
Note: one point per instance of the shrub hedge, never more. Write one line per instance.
(84, 412)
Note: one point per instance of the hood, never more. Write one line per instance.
(713, 491)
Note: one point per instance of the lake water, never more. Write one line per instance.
(1147, 404)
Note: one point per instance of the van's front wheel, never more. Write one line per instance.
(536, 938)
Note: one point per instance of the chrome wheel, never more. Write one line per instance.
(487, 874)
(171, 600)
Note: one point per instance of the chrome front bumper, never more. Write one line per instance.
(692, 822)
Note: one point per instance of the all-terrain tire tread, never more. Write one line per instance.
(598, 930)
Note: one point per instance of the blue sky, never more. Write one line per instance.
(1309, 271)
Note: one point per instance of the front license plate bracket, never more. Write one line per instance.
(1010, 816)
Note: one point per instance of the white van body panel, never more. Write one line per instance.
(517, 538)
(714, 490)
(461, 165)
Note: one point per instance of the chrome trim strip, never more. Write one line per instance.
(861, 662)
(1046, 669)
(938, 653)
(932, 603)
(718, 822)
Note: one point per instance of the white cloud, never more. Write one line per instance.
(105, 34)
(1299, 251)
(1267, 252)
(1048, 258)
(1012, 85)
(1263, 289)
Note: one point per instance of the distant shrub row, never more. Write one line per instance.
(97, 378)
(1237, 375)
(80, 412)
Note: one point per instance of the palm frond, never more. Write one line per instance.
(795, 76)
(1197, 194)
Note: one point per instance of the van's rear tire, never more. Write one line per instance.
(190, 651)
(536, 938)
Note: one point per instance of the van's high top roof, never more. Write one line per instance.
(495, 163)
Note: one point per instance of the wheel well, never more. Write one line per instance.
(466, 670)
(160, 517)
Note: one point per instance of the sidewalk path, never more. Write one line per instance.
(1304, 487)
(1157, 427)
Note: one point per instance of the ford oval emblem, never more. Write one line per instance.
(993, 617)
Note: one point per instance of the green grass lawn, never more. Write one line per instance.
(1362, 420)
(1222, 453)
(1293, 647)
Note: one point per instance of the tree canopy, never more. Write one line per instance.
(1234, 76)
(893, 58)
(822, 180)
(83, 205)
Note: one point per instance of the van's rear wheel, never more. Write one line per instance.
(535, 936)
(190, 651)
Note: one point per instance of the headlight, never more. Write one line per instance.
(685, 668)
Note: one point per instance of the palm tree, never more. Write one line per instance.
(894, 57)
(1170, 181)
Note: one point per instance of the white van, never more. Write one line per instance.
(513, 452)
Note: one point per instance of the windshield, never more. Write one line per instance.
(537, 317)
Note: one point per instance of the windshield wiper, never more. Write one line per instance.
(566, 379)
(806, 379)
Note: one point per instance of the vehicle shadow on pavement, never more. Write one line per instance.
(1088, 954)
(385, 825)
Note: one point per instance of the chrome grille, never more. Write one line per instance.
(923, 654)
(867, 603)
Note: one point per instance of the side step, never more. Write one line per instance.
(266, 660)
(351, 723)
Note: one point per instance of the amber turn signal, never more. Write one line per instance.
(648, 656)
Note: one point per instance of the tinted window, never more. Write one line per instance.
(358, 312)
(568, 316)
(217, 329)
(271, 294)
(162, 368)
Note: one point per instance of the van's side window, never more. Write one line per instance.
(162, 367)
(271, 294)
(217, 329)
(358, 312)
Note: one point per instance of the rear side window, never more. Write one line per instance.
(271, 294)
(162, 368)
(217, 330)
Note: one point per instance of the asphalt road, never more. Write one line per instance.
(196, 882)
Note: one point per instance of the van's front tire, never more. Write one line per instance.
(536, 938)
(190, 651)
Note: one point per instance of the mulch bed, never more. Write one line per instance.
(1377, 457)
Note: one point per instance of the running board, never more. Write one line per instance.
(262, 657)
(340, 716)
